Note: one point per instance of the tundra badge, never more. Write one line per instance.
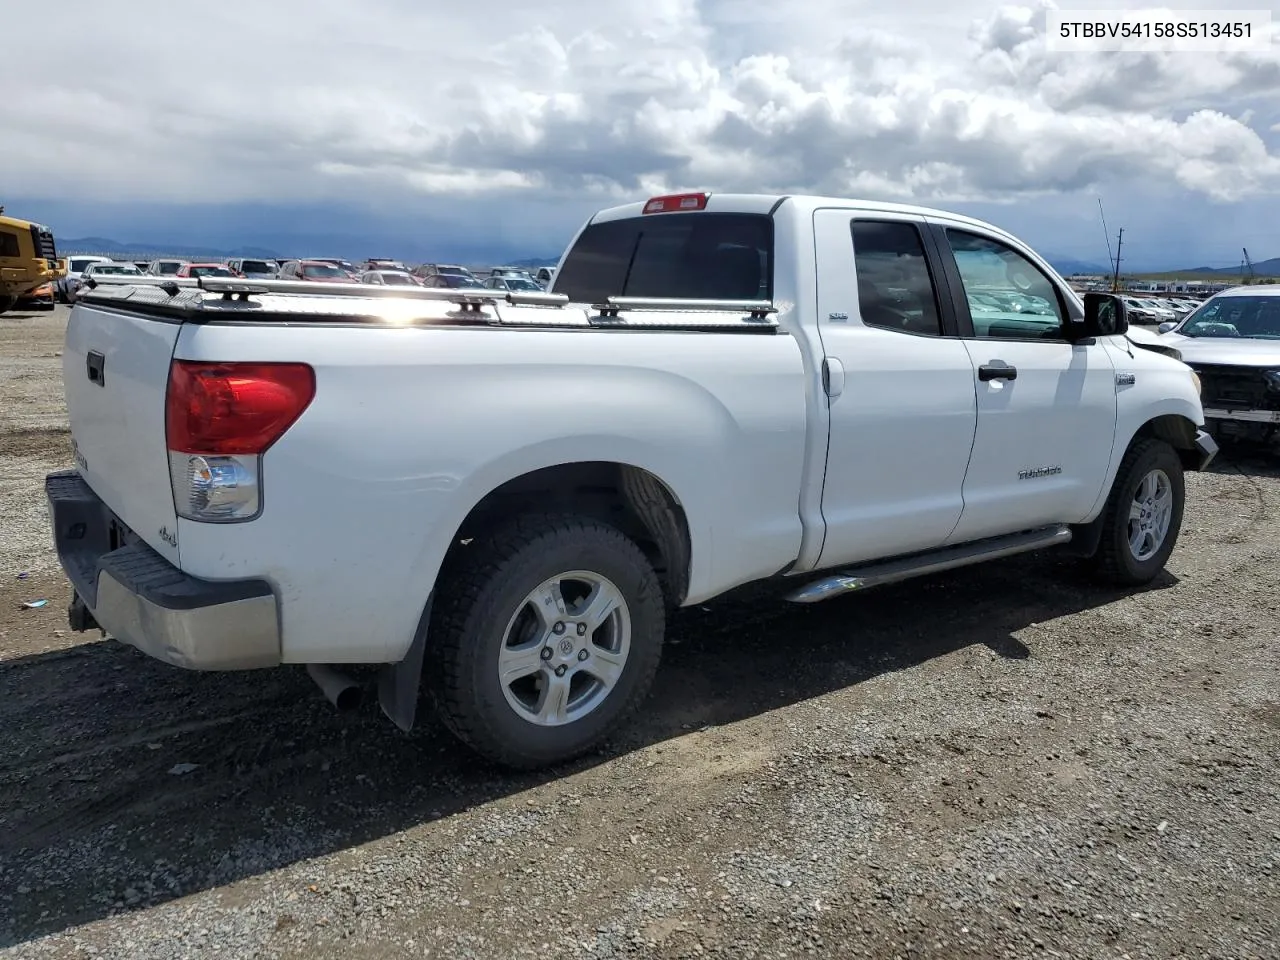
(1036, 472)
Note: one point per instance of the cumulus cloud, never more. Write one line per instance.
(930, 99)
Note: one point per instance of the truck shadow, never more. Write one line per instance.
(99, 815)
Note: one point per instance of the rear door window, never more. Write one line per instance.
(716, 256)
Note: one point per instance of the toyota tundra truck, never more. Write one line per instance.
(499, 498)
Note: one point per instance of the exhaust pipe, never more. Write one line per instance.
(343, 692)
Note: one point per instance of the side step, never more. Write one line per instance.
(921, 564)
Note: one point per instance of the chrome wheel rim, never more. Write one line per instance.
(1150, 515)
(565, 648)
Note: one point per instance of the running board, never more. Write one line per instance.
(922, 564)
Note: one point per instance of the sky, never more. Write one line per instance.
(492, 129)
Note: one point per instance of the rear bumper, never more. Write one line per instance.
(141, 599)
(1206, 449)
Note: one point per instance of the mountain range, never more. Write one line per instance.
(1067, 266)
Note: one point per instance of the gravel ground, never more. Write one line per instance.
(1002, 762)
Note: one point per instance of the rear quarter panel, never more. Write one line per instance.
(412, 426)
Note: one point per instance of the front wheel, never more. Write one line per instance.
(546, 636)
(1143, 515)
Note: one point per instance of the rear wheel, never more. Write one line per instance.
(1143, 515)
(546, 637)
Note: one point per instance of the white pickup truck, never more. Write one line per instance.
(500, 496)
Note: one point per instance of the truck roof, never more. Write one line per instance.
(805, 203)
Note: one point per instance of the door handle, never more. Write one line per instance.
(96, 367)
(997, 371)
(832, 377)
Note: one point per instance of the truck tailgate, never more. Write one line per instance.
(115, 369)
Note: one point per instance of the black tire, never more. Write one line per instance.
(486, 587)
(1115, 562)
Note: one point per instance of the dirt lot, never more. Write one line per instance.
(1004, 762)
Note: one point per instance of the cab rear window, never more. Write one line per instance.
(716, 256)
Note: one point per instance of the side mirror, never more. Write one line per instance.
(1166, 326)
(1105, 315)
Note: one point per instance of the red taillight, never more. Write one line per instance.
(234, 408)
(677, 201)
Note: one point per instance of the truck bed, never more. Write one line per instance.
(423, 405)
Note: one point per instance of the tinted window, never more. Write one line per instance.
(1009, 297)
(895, 288)
(698, 255)
(8, 244)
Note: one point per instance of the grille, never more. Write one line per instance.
(42, 240)
(1241, 387)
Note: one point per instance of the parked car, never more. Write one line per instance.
(1157, 307)
(64, 287)
(253, 269)
(165, 268)
(321, 271)
(107, 268)
(507, 282)
(423, 271)
(188, 270)
(40, 298)
(1137, 311)
(382, 264)
(455, 281)
(344, 265)
(1233, 343)
(504, 502)
(389, 278)
(510, 272)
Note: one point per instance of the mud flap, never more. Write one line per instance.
(399, 683)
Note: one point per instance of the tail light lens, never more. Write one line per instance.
(676, 202)
(220, 418)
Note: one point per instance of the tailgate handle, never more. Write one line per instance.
(96, 365)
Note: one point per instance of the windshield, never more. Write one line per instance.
(717, 256)
(115, 268)
(1255, 318)
(79, 266)
(519, 283)
(169, 266)
(210, 272)
(453, 271)
(400, 278)
(257, 266)
(322, 270)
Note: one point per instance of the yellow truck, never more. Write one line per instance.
(28, 260)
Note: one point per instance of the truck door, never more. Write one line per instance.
(1046, 406)
(900, 386)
